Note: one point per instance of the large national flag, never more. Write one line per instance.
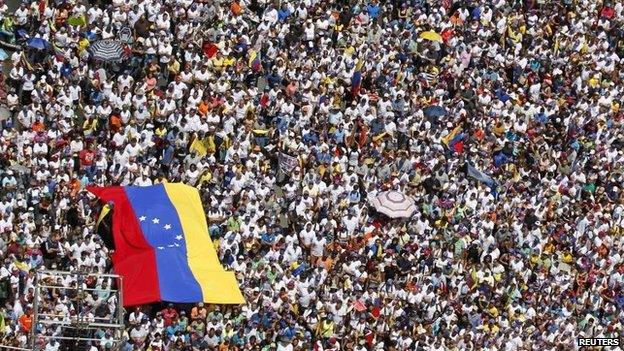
(163, 249)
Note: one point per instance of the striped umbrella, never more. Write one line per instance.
(394, 204)
(107, 50)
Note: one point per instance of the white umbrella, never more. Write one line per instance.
(107, 50)
(394, 204)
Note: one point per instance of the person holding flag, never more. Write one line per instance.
(356, 79)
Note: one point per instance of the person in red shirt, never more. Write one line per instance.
(38, 126)
(169, 314)
(25, 321)
(74, 185)
(87, 156)
(607, 12)
(115, 121)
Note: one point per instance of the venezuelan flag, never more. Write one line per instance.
(356, 79)
(254, 61)
(163, 249)
(451, 137)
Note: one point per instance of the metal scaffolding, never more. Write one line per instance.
(78, 327)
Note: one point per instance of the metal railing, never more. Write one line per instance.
(6, 347)
(81, 321)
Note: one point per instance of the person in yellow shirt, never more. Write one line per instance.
(161, 131)
(615, 106)
(489, 326)
(160, 180)
(228, 61)
(493, 311)
(83, 44)
(594, 82)
(325, 328)
(173, 67)
(514, 36)
(89, 126)
(228, 331)
(218, 61)
(205, 178)
(492, 328)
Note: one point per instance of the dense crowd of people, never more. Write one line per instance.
(501, 120)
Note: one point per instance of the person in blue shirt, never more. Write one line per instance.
(85, 178)
(354, 195)
(227, 178)
(172, 329)
(9, 182)
(377, 125)
(323, 156)
(289, 332)
(266, 319)
(502, 95)
(268, 237)
(541, 116)
(373, 9)
(376, 249)
(66, 69)
(96, 96)
(310, 137)
(167, 156)
(273, 78)
(283, 13)
(339, 134)
(239, 338)
(302, 267)
(228, 258)
(128, 346)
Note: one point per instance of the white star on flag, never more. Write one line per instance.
(155, 220)
(142, 218)
(176, 245)
(179, 237)
(170, 245)
(167, 226)
(161, 248)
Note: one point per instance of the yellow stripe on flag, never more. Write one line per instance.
(217, 284)
(447, 139)
(252, 56)
(359, 64)
(105, 210)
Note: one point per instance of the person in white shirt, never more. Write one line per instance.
(52, 345)
(270, 15)
(179, 88)
(133, 149)
(28, 85)
(143, 180)
(21, 15)
(318, 247)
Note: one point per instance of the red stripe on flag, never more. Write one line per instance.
(134, 259)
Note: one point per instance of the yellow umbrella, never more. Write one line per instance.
(431, 35)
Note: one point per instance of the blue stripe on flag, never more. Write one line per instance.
(162, 229)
